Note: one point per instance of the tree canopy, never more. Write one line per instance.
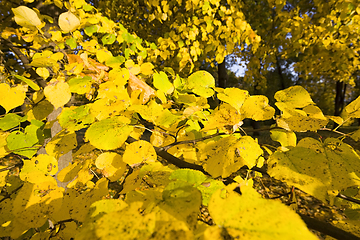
(107, 129)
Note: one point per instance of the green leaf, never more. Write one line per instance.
(23, 143)
(71, 42)
(201, 83)
(11, 120)
(80, 85)
(108, 39)
(90, 30)
(75, 118)
(109, 134)
(317, 168)
(242, 215)
(207, 186)
(28, 82)
(115, 62)
(161, 82)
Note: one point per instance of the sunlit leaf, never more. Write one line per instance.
(39, 169)
(109, 134)
(75, 118)
(68, 22)
(317, 168)
(229, 154)
(12, 97)
(138, 152)
(284, 137)
(162, 83)
(35, 203)
(227, 208)
(294, 97)
(234, 96)
(111, 164)
(26, 17)
(57, 92)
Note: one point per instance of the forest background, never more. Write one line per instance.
(123, 118)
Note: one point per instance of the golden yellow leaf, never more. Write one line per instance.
(43, 72)
(57, 92)
(111, 164)
(138, 152)
(12, 97)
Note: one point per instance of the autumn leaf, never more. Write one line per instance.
(26, 17)
(68, 22)
(57, 92)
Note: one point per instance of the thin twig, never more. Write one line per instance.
(350, 199)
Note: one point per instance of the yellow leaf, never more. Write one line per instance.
(234, 96)
(43, 72)
(68, 22)
(3, 143)
(57, 92)
(138, 152)
(39, 169)
(36, 202)
(111, 164)
(26, 17)
(257, 108)
(61, 144)
(146, 68)
(12, 97)
(227, 208)
(103, 55)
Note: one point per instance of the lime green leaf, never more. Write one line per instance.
(28, 82)
(75, 118)
(139, 152)
(10, 120)
(61, 144)
(80, 85)
(317, 168)
(227, 209)
(207, 186)
(162, 83)
(229, 154)
(193, 177)
(26, 17)
(109, 134)
(39, 169)
(294, 97)
(284, 137)
(22, 143)
(36, 202)
(234, 96)
(90, 30)
(68, 22)
(201, 83)
(108, 39)
(115, 62)
(71, 42)
(12, 97)
(111, 164)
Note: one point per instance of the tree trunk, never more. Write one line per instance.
(339, 97)
(222, 75)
